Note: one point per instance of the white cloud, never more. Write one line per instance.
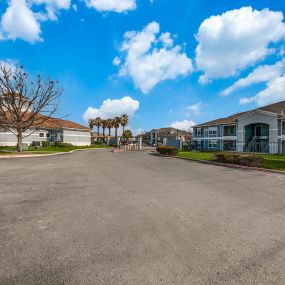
(118, 6)
(113, 107)
(264, 73)
(147, 63)
(52, 8)
(194, 109)
(274, 92)
(185, 125)
(237, 39)
(116, 61)
(19, 22)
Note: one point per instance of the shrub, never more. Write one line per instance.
(167, 150)
(238, 158)
(45, 144)
(61, 144)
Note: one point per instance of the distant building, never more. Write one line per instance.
(259, 130)
(156, 136)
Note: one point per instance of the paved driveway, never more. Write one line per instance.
(96, 217)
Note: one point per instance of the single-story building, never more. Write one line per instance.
(259, 130)
(52, 130)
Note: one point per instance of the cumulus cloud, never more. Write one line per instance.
(263, 73)
(112, 108)
(194, 109)
(20, 22)
(237, 39)
(274, 92)
(118, 6)
(185, 125)
(149, 57)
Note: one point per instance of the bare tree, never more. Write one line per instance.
(26, 103)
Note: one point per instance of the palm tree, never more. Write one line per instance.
(124, 121)
(109, 125)
(91, 124)
(98, 124)
(104, 126)
(116, 125)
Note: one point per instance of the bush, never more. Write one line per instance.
(45, 144)
(167, 150)
(61, 144)
(238, 158)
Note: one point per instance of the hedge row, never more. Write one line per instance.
(167, 150)
(238, 158)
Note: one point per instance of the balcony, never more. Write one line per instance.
(229, 131)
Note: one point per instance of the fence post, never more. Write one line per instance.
(140, 143)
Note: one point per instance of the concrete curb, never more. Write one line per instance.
(49, 154)
(235, 166)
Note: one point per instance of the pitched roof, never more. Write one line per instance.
(53, 123)
(45, 122)
(273, 108)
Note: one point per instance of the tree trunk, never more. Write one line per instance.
(123, 129)
(98, 128)
(109, 132)
(116, 133)
(103, 132)
(20, 141)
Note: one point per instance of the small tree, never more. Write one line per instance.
(127, 135)
(26, 103)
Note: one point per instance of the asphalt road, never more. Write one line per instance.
(97, 217)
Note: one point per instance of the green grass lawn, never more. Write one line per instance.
(273, 163)
(47, 150)
(197, 155)
(269, 161)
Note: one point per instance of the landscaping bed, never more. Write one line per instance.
(266, 161)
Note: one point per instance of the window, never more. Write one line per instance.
(283, 128)
(48, 135)
(213, 143)
(41, 135)
(198, 132)
(213, 131)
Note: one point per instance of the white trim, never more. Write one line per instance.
(229, 138)
(216, 138)
(67, 135)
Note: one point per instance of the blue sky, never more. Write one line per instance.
(173, 69)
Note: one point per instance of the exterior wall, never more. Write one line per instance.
(77, 137)
(255, 118)
(9, 139)
(174, 143)
(206, 138)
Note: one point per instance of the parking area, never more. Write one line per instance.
(97, 217)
